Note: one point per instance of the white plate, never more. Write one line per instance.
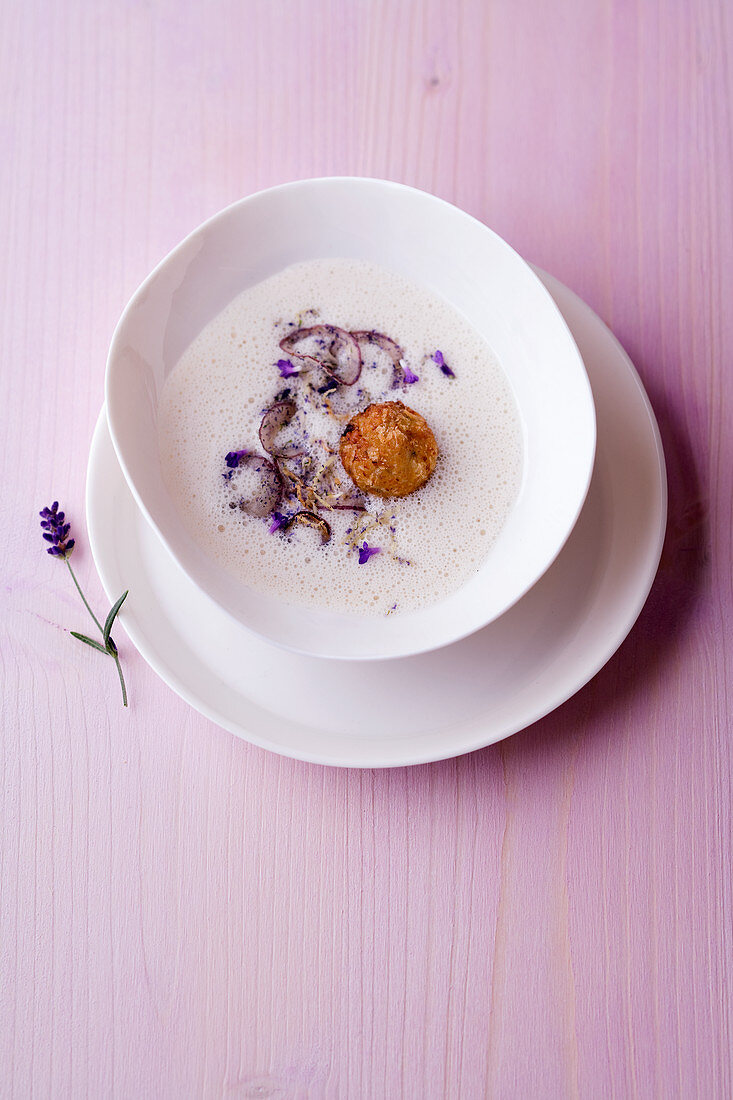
(440, 704)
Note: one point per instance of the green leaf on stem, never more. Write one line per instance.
(112, 616)
(90, 641)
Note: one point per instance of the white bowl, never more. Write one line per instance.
(453, 255)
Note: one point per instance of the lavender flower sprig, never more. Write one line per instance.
(56, 531)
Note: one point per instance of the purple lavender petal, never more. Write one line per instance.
(286, 368)
(438, 358)
(366, 552)
(278, 521)
(233, 458)
(408, 377)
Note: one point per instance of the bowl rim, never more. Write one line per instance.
(449, 636)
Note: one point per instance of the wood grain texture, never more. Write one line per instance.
(185, 915)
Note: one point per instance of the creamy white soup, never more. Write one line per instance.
(391, 555)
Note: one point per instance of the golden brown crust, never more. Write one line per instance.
(388, 449)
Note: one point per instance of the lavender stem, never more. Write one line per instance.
(113, 651)
(84, 599)
(122, 678)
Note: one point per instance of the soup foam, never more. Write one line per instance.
(432, 541)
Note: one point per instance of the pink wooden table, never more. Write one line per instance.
(184, 915)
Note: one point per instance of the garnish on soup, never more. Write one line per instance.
(278, 410)
(389, 450)
(386, 449)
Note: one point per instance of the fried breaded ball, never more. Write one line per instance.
(388, 449)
